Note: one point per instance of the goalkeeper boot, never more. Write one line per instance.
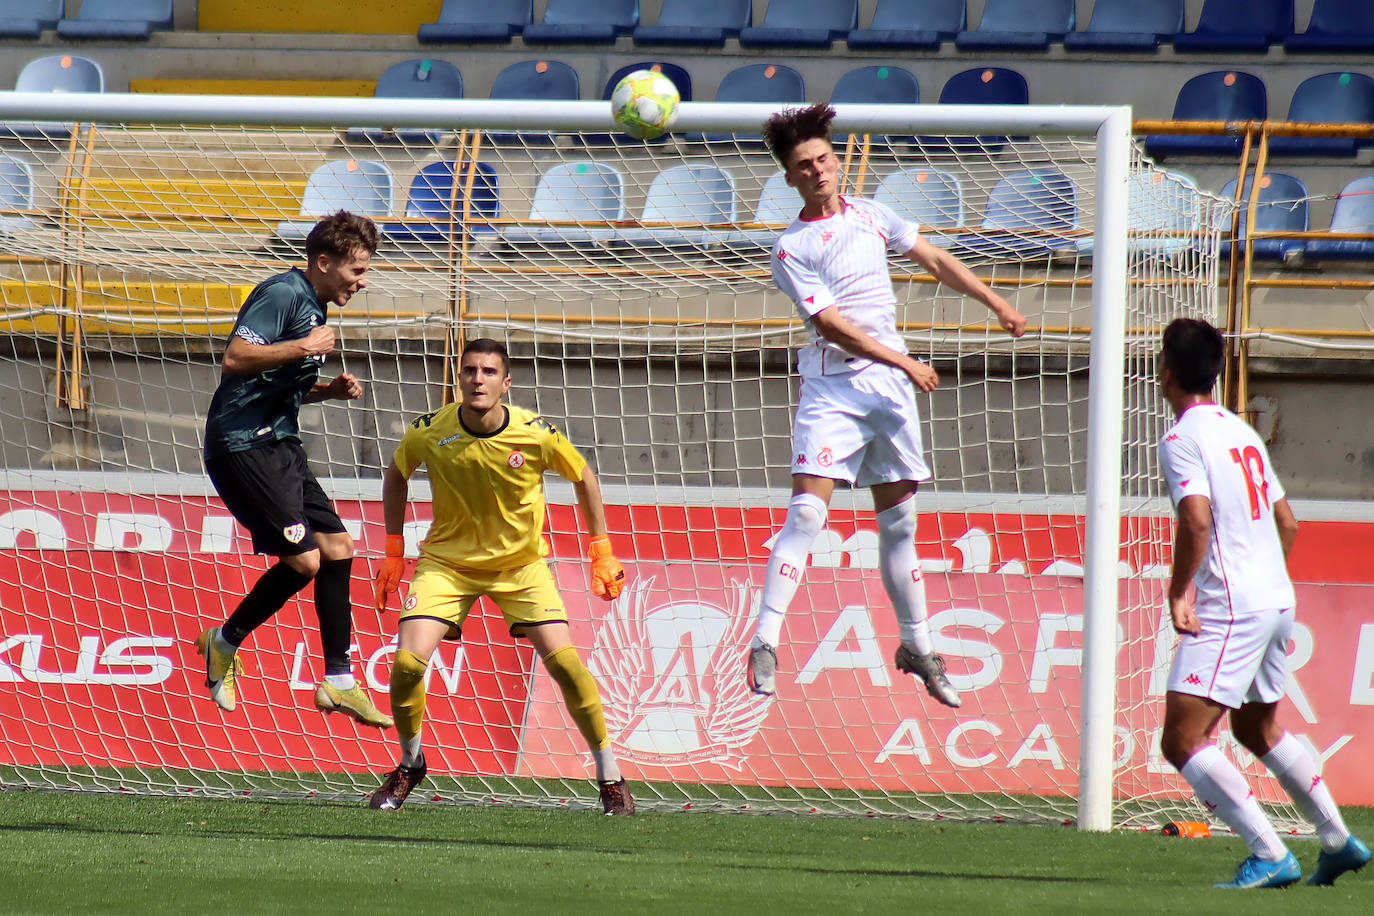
(763, 670)
(221, 669)
(397, 787)
(616, 800)
(353, 702)
(1256, 872)
(931, 669)
(1353, 856)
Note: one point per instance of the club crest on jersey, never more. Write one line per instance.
(294, 533)
(411, 603)
(824, 457)
(516, 460)
(673, 693)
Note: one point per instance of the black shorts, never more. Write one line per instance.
(272, 493)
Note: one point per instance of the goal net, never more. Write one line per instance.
(631, 282)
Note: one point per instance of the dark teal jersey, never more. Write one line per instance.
(251, 410)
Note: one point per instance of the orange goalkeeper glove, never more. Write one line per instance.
(393, 567)
(608, 576)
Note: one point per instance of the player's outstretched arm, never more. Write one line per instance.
(608, 576)
(1191, 536)
(950, 271)
(837, 329)
(395, 492)
(243, 357)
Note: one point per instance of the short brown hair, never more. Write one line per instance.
(1195, 352)
(487, 345)
(341, 235)
(786, 129)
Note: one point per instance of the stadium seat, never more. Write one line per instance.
(28, 18)
(1354, 213)
(478, 21)
(584, 22)
(802, 24)
(534, 79)
(1019, 25)
(930, 198)
(889, 85)
(361, 186)
(1165, 203)
(587, 191)
(1329, 98)
(1222, 95)
(1336, 26)
(684, 194)
(680, 77)
(1238, 25)
(434, 198)
(696, 22)
(911, 25)
(412, 79)
(54, 73)
(774, 83)
(1282, 206)
(980, 86)
(778, 206)
(1128, 25)
(117, 20)
(16, 194)
(1042, 202)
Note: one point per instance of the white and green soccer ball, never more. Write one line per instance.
(644, 103)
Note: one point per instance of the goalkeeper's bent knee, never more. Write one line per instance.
(408, 692)
(579, 695)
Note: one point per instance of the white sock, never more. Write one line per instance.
(411, 753)
(786, 563)
(607, 770)
(1297, 772)
(901, 570)
(1222, 788)
(341, 681)
(222, 644)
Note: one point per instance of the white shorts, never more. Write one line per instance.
(1238, 661)
(861, 427)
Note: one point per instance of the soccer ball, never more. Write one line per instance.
(645, 104)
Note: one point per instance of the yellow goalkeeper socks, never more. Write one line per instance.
(408, 694)
(579, 695)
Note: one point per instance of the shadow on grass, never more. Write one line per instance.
(913, 873)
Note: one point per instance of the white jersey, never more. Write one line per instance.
(841, 260)
(1211, 452)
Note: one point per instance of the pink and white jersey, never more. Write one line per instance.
(841, 260)
(1212, 452)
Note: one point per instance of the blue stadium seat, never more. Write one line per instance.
(1354, 213)
(980, 86)
(778, 206)
(1282, 206)
(1238, 25)
(16, 194)
(912, 25)
(680, 77)
(1167, 204)
(478, 20)
(1221, 95)
(534, 79)
(930, 198)
(802, 24)
(117, 20)
(53, 73)
(1336, 26)
(1330, 98)
(28, 18)
(412, 79)
(586, 191)
(889, 85)
(584, 22)
(696, 22)
(1128, 25)
(1019, 25)
(1027, 215)
(684, 194)
(776, 83)
(433, 198)
(360, 186)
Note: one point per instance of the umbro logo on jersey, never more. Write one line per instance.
(516, 460)
(294, 533)
(1193, 679)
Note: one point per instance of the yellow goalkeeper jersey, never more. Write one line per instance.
(488, 490)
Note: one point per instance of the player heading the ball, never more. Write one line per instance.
(486, 464)
(254, 457)
(1234, 531)
(857, 420)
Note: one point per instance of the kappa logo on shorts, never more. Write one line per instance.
(1193, 679)
(824, 457)
(411, 603)
(294, 533)
(516, 460)
(801, 460)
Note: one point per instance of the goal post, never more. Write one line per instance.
(631, 282)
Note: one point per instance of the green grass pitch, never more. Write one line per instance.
(103, 853)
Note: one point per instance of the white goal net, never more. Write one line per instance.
(631, 282)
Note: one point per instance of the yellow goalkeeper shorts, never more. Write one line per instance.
(526, 595)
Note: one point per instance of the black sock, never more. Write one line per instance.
(335, 611)
(266, 597)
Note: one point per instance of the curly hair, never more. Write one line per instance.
(341, 235)
(786, 129)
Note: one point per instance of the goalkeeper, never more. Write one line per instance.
(486, 464)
